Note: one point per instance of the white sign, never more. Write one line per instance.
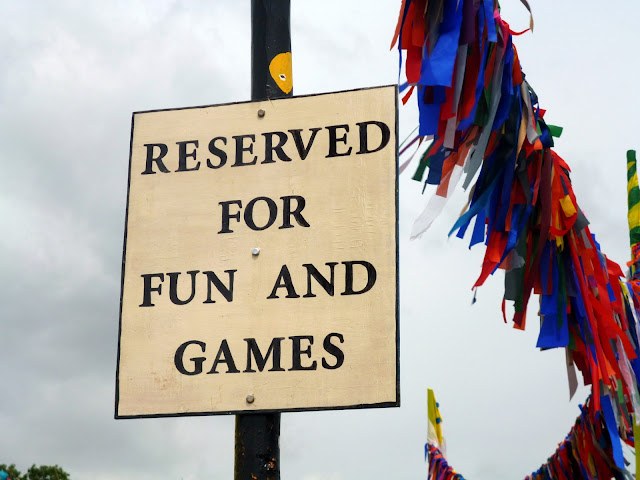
(261, 257)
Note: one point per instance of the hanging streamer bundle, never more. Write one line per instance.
(485, 123)
(589, 452)
(439, 469)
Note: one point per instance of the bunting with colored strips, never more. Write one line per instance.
(485, 123)
(439, 469)
(591, 451)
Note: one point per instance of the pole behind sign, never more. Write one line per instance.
(257, 435)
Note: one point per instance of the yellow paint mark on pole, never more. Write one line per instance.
(280, 69)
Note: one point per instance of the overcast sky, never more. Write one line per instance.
(72, 74)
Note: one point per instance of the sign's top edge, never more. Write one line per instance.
(394, 85)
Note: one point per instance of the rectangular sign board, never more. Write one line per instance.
(260, 267)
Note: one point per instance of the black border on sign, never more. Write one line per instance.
(308, 409)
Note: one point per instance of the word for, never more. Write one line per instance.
(287, 212)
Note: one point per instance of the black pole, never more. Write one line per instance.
(257, 442)
(270, 49)
(257, 455)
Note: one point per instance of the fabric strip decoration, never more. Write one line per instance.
(488, 132)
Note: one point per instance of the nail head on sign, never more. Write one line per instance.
(261, 113)
(250, 398)
(255, 252)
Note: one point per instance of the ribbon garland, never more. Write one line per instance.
(484, 120)
(588, 452)
(439, 469)
(592, 450)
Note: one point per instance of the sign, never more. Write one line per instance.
(260, 269)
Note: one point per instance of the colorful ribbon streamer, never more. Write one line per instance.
(591, 451)
(439, 469)
(486, 123)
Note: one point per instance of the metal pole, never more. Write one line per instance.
(257, 455)
(257, 440)
(270, 49)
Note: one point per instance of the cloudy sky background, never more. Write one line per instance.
(72, 73)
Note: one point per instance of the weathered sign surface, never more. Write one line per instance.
(260, 268)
